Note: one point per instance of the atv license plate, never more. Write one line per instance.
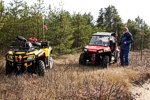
(18, 67)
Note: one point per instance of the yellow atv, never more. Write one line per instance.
(31, 57)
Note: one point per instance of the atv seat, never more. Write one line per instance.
(44, 44)
(28, 44)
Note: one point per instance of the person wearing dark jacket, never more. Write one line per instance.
(125, 45)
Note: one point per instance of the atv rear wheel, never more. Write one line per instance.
(105, 62)
(82, 59)
(9, 69)
(40, 68)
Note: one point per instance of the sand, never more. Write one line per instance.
(142, 92)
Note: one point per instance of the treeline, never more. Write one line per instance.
(66, 32)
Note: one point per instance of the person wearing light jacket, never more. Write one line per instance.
(125, 46)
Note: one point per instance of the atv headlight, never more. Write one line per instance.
(10, 57)
(85, 49)
(100, 51)
(30, 58)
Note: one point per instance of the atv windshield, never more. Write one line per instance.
(102, 40)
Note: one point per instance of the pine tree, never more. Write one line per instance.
(109, 20)
(37, 17)
(83, 28)
(60, 30)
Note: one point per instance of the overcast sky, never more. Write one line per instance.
(127, 9)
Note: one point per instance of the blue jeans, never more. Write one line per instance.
(124, 54)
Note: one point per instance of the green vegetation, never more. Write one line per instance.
(66, 32)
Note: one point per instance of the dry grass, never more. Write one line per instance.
(69, 81)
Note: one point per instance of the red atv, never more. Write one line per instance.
(102, 49)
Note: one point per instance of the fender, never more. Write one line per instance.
(41, 53)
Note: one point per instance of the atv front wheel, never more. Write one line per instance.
(82, 59)
(40, 68)
(105, 62)
(9, 69)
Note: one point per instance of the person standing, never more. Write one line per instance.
(125, 45)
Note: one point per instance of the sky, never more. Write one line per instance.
(127, 9)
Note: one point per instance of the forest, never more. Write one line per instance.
(66, 32)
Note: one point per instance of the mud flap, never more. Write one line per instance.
(47, 61)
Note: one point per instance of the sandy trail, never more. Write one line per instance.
(142, 92)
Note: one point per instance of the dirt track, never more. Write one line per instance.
(142, 92)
